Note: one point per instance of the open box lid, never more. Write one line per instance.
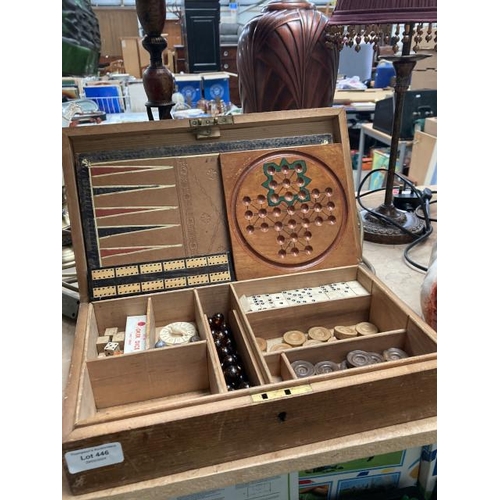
(170, 204)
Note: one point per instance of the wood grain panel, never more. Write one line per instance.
(288, 210)
(237, 429)
(135, 377)
(115, 23)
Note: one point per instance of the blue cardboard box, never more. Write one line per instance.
(190, 86)
(216, 85)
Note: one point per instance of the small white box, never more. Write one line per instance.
(135, 334)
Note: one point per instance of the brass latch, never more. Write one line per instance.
(206, 127)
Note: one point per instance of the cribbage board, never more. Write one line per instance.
(159, 217)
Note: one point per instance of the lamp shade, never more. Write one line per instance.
(349, 12)
(380, 21)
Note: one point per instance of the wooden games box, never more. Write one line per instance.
(244, 228)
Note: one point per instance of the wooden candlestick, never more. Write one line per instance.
(158, 81)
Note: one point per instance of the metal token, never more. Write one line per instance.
(303, 368)
(358, 358)
(325, 367)
(394, 353)
(376, 357)
(343, 365)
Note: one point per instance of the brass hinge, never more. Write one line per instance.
(281, 393)
(205, 128)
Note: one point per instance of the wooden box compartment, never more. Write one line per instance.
(167, 413)
(176, 370)
(171, 374)
(280, 364)
(176, 397)
(369, 303)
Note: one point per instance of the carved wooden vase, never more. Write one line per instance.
(158, 81)
(284, 60)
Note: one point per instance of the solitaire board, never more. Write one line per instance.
(287, 209)
(245, 229)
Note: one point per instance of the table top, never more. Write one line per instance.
(388, 260)
(358, 96)
(381, 136)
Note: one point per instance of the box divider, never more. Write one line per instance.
(246, 351)
(85, 406)
(217, 382)
(257, 355)
(287, 372)
(150, 325)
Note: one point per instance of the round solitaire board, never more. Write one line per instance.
(287, 209)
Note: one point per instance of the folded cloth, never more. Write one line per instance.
(353, 83)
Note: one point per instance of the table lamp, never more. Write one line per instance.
(392, 22)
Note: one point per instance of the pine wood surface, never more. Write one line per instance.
(175, 420)
(360, 445)
(220, 427)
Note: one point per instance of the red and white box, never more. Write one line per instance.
(135, 334)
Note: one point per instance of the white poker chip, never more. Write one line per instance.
(178, 333)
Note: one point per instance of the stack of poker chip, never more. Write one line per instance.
(354, 359)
